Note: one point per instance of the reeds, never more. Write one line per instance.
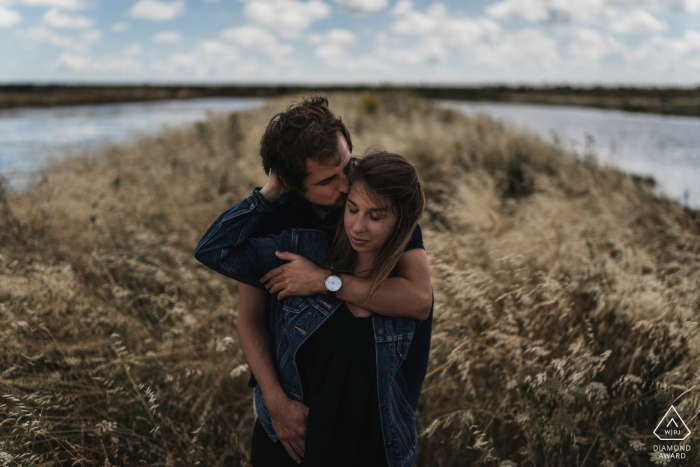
(566, 308)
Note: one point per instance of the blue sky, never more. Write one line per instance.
(648, 42)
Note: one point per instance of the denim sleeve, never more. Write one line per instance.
(227, 248)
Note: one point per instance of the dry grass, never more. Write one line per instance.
(567, 299)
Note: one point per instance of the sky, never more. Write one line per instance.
(579, 42)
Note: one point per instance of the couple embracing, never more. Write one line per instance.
(336, 305)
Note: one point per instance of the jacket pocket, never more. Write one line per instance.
(295, 304)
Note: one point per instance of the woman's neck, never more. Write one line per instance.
(364, 262)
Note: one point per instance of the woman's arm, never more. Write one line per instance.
(408, 295)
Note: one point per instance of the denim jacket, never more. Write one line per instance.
(227, 248)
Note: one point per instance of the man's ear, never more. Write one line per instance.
(284, 182)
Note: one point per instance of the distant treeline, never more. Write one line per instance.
(677, 101)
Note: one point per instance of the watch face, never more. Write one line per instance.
(333, 283)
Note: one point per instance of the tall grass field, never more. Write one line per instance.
(566, 320)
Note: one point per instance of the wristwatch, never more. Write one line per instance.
(333, 284)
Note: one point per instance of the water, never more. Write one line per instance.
(30, 137)
(665, 147)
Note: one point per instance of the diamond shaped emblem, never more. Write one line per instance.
(672, 427)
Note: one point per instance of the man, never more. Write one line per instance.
(306, 151)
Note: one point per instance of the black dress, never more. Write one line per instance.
(338, 372)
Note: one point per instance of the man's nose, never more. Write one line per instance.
(343, 184)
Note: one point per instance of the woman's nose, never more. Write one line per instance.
(358, 225)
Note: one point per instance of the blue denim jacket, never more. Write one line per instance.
(226, 248)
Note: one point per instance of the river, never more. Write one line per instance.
(30, 137)
(666, 147)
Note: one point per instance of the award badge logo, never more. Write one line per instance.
(671, 428)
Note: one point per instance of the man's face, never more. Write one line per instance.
(326, 186)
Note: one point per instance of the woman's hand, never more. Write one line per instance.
(299, 277)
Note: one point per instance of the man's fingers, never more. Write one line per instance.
(299, 446)
(291, 452)
(287, 255)
(283, 294)
(274, 280)
(272, 273)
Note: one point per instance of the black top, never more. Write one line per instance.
(338, 372)
(295, 212)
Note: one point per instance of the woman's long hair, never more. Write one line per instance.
(386, 177)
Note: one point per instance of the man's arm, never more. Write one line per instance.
(408, 295)
(288, 416)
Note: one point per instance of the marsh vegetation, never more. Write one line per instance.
(567, 299)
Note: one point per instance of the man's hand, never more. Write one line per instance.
(274, 188)
(289, 422)
(299, 277)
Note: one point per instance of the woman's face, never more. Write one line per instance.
(368, 224)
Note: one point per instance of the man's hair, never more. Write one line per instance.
(305, 130)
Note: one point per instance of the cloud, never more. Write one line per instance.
(287, 17)
(9, 18)
(591, 46)
(362, 6)
(443, 29)
(155, 10)
(402, 7)
(258, 39)
(627, 15)
(80, 43)
(208, 58)
(120, 27)
(61, 4)
(55, 18)
(671, 55)
(167, 37)
(332, 50)
(524, 48)
(638, 21)
(127, 59)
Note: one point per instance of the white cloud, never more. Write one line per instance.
(592, 47)
(525, 48)
(257, 39)
(167, 37)
(287, 17)
(55, 18)
(80, 43)
(625, 14)
(127, 59)
(402, 7)
(439, 29)
(120, 27)
(332, 50)
(362, 6)
(210, 57)
(61, 4)
(638, 21)
(155, 10)
(9, 18)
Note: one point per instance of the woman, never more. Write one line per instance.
(339, 359)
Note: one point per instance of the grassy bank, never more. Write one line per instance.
(566, 314)
(671, 101)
